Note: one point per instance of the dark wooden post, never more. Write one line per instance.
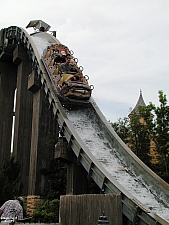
(23, 114)
(44, 137)
(7, 90)
(77, 182)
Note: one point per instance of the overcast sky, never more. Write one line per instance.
(123, 45)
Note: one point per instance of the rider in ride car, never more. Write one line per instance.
(73, 70)
(66, 67)
(61, 58)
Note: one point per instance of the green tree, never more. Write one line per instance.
(11, 185)
(157, 121)
(135, 135)
(122, 128)
(139, 138)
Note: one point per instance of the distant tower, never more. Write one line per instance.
(140, 102)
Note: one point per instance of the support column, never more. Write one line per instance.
(77, 182)
(23, 114)
(44, 137)
(7, 90)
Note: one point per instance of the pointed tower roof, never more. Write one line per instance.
(140, 102)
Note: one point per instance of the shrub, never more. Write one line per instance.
(48, 212)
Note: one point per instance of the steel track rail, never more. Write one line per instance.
(131, 207)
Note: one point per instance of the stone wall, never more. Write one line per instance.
(32, 202)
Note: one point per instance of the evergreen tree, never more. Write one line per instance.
(158, 126)
(122, 128)
(139, 139)
(135, 134)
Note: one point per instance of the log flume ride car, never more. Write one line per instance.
(71, 85)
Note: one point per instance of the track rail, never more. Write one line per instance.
(134, 210)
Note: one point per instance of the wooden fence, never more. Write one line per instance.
(86, 209)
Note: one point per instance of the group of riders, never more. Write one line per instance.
(64, 62)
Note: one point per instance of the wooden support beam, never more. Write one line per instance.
(44, 137)
(62, 152)
(7, 90)
(77, 182)
(19, 55)
(75, 171)
(23, 114)
(34, 83)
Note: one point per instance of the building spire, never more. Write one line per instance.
(140, 102)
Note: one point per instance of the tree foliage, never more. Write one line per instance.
(157, 120)
(135, 134)
(122, 128)
(139, 139)
(149, 123)
(48, 212)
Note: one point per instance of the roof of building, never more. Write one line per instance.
(140, 102)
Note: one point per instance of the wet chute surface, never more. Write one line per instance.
(85, 123)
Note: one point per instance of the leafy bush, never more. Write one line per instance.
(48, 212)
